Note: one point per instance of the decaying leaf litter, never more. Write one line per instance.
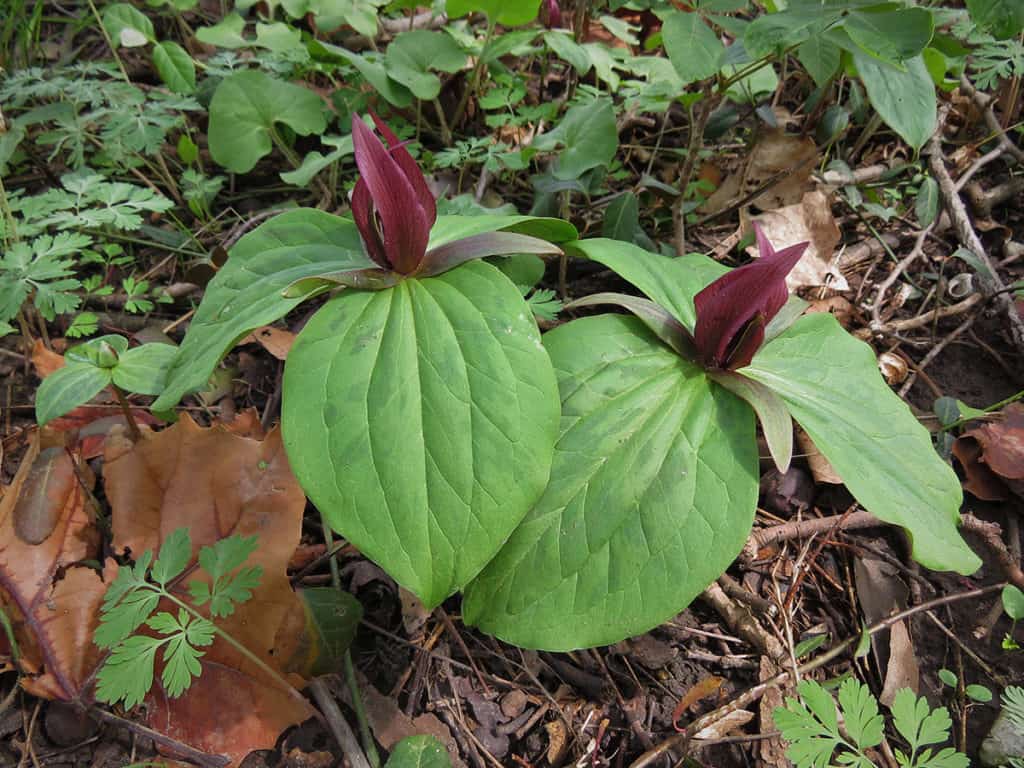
(86, 496)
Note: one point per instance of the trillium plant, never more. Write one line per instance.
(579, 489)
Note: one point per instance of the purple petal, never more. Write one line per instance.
(409, 167)
(362, 213)
(728, 306)
(450, 255)
(403, 222)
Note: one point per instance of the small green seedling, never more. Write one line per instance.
(978, 693)
(1013, 604)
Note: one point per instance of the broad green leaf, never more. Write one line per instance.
(820, 58)
(143, 370)
(414, 56)
(371, 66)
(524, 269)
(227, 33)
(926, 205)
(421, 420)
(670, 282)
(247, 291)
(282, 39)
(905, 99)
(67, 388)
(1013, 602)
(587, 137)
(567, 49)
(419, 752)
(1002, 18)
(622, 218)
(770, 31)
(244, 111)
(892, 35)
(509, 13)
(652, 495)
(174, 66)
(315, 162)
(831, 383)
(692, 46)
(776, 423)
(447, 229)
(332, 618)
(127, 25)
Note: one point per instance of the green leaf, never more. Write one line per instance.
(227, 586)
(622, 218)
(831, 384)
(692, 46)
(414, 56)
(587, 136)
(926, 205)
(978, 693)
(127, 26)
(175, 552)
(227, 33)
(175, 66)
(860, 713)
(794, 26)
(523, 269)
(245, 110)
(888, 34)
(509, 13)
(247, 291)
(315, 162)
(371, 66)
(332, 618)
(127, 604)
(451, 441)
(1013, 602)
(776, 423)
(67, 388)
(904, 98)
(1002, 18)
(670, 282)
(419, 752)
(820, 58)
(948, 677)
(143, 369)
(567, 49)
(810, 726)
(181, 657)
(127, 674)
(917, 722)
(653, 490)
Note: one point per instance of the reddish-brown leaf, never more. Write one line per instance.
(45, 530)
(993, 456)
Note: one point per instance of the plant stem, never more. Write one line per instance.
(110, 43)
(474, 81)
(122, 400)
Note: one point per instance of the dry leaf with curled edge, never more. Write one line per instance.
(46, 531)
(820, 467)
(992, 456)
(276, 341)
(811, 221)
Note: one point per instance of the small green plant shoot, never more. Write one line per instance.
(811, 725)
(132, 602)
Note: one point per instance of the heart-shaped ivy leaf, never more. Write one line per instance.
(421, 419)
(652, 495)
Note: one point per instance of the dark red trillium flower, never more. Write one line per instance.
(391, 204)
(733, 311)
(394, 212)
(553, 14)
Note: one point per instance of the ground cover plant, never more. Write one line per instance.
(511, 382)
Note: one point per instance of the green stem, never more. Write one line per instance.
(474, 82)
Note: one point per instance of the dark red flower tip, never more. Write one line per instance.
(734, 310)
(391, 203)
(553, 14)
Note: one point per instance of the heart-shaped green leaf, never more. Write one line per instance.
(414, 56)
(904, 98)
(419, 752)
(421, 419)
(143, 370)
(248, 290)
(507, 12)
(831, 384)
(652, 495)
(244, 111)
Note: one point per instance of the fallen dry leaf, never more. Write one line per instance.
(219, 483)
(992, 456)
(45, 360)
(701, 690)
(276, 341)
(809, 220)
(45, 532)
(820, 467)
(787, 160)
